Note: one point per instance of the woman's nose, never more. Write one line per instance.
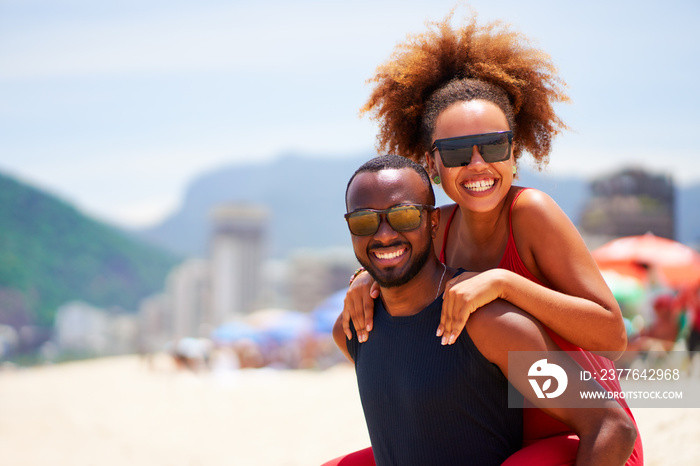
(477, 160)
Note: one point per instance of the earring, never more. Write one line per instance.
(437, 179)
(515, 169)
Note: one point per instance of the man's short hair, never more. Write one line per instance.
(395, 162)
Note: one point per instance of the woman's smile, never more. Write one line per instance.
(479, 186)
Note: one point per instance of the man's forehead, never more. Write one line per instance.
(386, 188)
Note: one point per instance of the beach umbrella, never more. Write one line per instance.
(676, 263)
(234, 331)
(627, 289)
(281, 325)
(326, 313)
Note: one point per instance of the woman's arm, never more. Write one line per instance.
(579, 306)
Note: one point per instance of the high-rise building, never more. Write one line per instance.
(187, 287)
(315, 274)
(630, 202)
(155, 323)
(236, 254)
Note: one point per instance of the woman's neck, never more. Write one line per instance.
(480, 238)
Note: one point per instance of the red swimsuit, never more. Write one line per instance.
(537, 425)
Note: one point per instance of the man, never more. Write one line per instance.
(426, 403)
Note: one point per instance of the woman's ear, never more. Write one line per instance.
(430, 163)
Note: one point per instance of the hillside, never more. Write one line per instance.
(50, 253)
(305, 198)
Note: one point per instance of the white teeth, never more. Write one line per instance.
(479, 186)
(389, 255)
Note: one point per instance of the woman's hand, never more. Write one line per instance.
(463, 295)
(359, 306)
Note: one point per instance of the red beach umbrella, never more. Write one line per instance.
(678, 264)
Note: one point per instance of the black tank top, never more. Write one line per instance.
(428, 404)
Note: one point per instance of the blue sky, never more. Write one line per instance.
(116, 105)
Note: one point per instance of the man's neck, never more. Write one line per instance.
(418, 293)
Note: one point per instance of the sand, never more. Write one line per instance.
(118, 411)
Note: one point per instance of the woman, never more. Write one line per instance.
(468, 102)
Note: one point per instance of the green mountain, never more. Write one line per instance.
(50, 254)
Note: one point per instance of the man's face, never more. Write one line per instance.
(392, 258)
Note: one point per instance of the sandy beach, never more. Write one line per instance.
(118, 411)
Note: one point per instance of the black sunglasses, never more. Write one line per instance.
(457, 152)
(404, 217)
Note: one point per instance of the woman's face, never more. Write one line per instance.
(478, 186)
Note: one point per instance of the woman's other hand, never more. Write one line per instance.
(359, 306)
(463, 295)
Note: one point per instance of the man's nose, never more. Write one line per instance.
(384, 230)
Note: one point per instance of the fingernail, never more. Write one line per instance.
(369, 328)
(443, 342)
(452, 339)
(438, 333)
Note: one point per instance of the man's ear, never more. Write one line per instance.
(434, 222)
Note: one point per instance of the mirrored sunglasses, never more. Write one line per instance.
(404, 217)
(457, 152)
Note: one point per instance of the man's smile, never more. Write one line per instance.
(389, 255)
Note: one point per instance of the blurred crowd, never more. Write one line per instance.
(274, 338)
(659, 319)
(666, 319)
